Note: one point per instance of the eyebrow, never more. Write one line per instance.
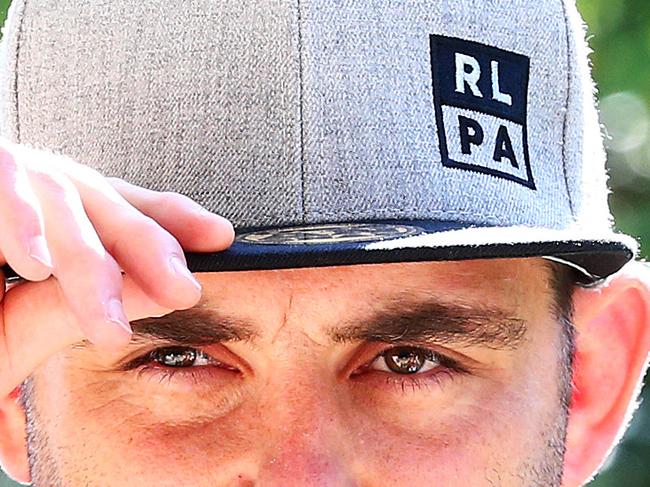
(437, 322)
(400, 321)
(195, 326)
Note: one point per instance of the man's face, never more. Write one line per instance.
(397, 374)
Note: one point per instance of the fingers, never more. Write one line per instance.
(145, 251)
(196, 229)
(65, 219)
(90, 278)
(23, 343)
(37, 322)
(22, 238)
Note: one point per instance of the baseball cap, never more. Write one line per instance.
(331, 133)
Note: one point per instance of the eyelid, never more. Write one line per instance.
(149, 358)
(431, 358)
(367, 353)
(218, 353)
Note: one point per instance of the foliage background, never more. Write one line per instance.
(620, 37)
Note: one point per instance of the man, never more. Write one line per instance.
(424, 288)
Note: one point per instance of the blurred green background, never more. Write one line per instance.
(620, 36)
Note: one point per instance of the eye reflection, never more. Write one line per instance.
(406, 360)
(179, 357)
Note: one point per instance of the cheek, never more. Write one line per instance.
(470, 432)
(98, 426)
(463, 444)
(464, 440)
(486, 431)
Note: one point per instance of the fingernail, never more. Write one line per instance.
(38, 251)
(180, 269)
(115, 314)
(225, 221)
(202, 212)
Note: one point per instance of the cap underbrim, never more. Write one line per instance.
(597, 256)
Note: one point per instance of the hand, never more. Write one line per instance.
(37, 322)
(63, 219)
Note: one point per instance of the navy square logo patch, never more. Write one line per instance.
(480, 96)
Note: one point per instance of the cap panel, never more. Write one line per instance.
(208, 101)
(203, 101)
(370, 130)
(584, 150)
(8, 57)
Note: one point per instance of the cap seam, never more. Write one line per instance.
(300, 114)
(18, 45)
(566, 107)
(19, 31)
(406, 213)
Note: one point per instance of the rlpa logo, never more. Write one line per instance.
(480, 97)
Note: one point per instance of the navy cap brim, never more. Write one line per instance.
(597, 256)
(375, 242)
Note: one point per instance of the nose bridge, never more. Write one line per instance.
(302, 456)
(306, 442)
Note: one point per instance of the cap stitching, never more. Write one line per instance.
(19, 32)
(300, 114)
(566, 107)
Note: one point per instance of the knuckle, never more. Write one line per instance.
(143, 224)
(155, 233)
(129, 189)
(87, 260)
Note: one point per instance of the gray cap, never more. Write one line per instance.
(330, 132)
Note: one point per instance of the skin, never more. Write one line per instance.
(65, 220)
(298, 396)
(295, 412)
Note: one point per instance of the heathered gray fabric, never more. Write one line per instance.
(8, 58)
(370, 132)
(202, 99)
(584, 154)
(277, 112)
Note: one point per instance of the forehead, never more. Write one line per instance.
(508, 282)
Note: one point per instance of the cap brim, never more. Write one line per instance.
(595, 255)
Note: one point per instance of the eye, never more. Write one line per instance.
(180, 357)
(174, 357)
(183, 362)
(406, 360)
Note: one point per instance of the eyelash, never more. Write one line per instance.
(146, 365)
(447, 370)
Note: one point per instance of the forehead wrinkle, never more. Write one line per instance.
(285, 318)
